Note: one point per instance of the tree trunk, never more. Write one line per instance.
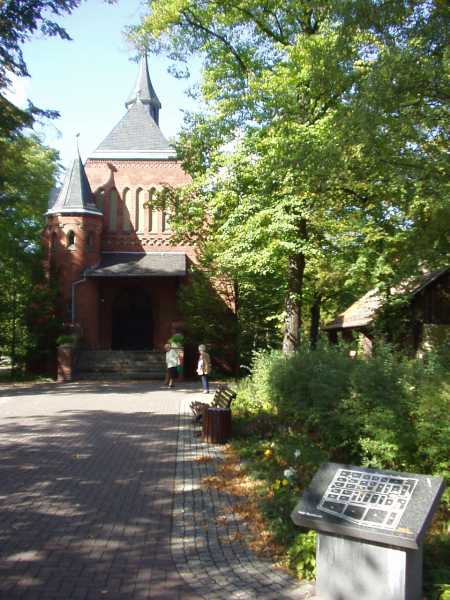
(13, 349)
(315, 320)
(237, 357)
(293, 302)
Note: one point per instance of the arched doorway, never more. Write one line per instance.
(132, 326)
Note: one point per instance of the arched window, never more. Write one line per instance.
(71, 240)
(153, 213)
(165, 217)
(137, 220)
(113, 197)
(140, 201)
(127, 210)
(151, 220)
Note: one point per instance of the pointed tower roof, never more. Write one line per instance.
(143, 87)
(137, 135)
(75, 195)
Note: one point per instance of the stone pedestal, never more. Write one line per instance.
(65, 360)
(371, 526)
(354, 569)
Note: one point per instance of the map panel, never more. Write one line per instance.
(368, 499)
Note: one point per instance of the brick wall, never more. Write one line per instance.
(94, 299)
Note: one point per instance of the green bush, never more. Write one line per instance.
(66, 340)
(301, 410)
(177, 340)
(302, 555)
(255, 392)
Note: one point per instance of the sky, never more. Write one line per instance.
(88, 80)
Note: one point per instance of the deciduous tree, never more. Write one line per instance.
(322, 150)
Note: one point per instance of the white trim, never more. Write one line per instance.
(69, 211)
(139, 253)
(134, 155)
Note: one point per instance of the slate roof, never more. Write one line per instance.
(75, 195)
(363, 312)
(135, 136)
(139, 264)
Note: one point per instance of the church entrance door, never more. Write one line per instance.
(132, 326)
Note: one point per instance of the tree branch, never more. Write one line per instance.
(196, 24)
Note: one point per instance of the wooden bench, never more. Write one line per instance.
(223, 398)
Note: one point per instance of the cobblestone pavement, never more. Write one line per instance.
(100, 498)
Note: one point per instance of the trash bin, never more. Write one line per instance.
(216, 425)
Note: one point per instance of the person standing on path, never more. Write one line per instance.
(204, 367)
(172, 363)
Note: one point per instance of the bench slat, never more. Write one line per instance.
(223, 398)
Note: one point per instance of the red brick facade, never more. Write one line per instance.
(108, 244)
(90, 303)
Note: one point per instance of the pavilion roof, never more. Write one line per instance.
(363, 312)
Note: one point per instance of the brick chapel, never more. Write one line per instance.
(117, 271)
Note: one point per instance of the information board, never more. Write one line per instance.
(381, 506)
(367, 498)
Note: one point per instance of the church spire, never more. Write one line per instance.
(75, 195)
(143, 90)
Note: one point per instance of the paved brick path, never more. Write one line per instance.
(93, 504)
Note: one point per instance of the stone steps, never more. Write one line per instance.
(120, 364)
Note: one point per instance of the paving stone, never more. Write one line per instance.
(101, 497)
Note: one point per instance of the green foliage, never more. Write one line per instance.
(437, 567)
(302, 555)
(176, 340)
(209, 319)
(283, 462)
(255, 392)
(294, 413)
(433, 427)
(28, 320)
(323, 144)
(25, 298)
(66, 340)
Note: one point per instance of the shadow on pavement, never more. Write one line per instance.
(85, 505)
(94, 387)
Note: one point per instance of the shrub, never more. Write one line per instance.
(66, 339)
(388, 411)
(302, 555)
(177, 340)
